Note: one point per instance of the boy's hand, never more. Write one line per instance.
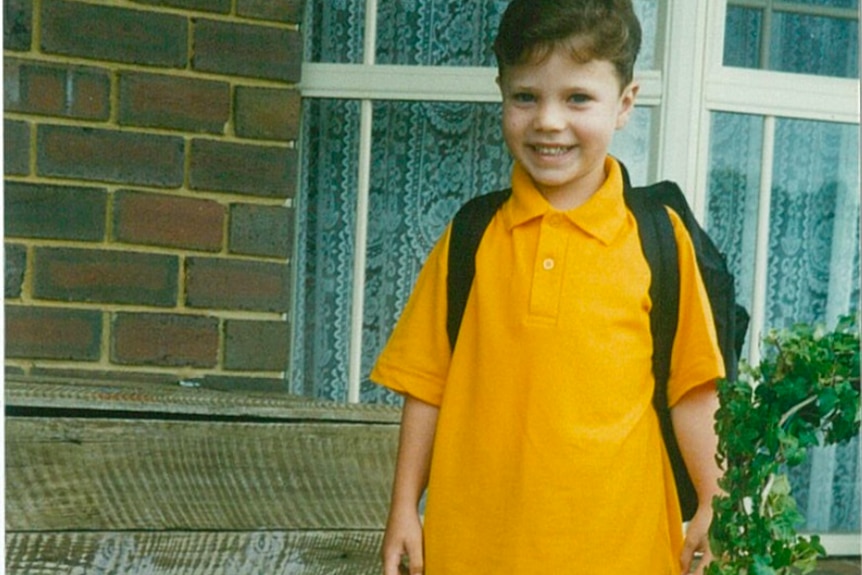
(403, 538)
(697, 542)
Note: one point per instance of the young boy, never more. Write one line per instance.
(536, 436)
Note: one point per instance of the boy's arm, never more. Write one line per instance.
(403, 529)
(694, 423)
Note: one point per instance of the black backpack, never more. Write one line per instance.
(659, 246)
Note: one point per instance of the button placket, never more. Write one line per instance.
(548, 276)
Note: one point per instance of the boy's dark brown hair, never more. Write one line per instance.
(589, 29)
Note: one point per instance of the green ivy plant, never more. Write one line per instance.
(804, 393)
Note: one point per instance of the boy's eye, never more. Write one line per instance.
(579, 98)
(523, 97)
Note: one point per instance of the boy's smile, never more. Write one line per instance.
(559, 117)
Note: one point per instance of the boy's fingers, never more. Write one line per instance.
(703, 562)
(687, 556)
(694, 561)
(416, 558)
(411, 563)
(392, 563)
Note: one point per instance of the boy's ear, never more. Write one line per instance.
(627, 104)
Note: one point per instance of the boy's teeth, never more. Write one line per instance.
(551, 150)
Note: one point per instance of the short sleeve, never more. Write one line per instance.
(696, 358)
(416, 358)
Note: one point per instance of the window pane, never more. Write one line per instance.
(821, 38)
(814, 231)
(814, 45)
(742, 45)
(813, 260)
(733, 189)
(831, 3)
(427, 159)
(458, 33)
(814, 277)
(438, 32)
(324, 257)
(632, 146)
(647, 12)
(335, 31)
(427, 32)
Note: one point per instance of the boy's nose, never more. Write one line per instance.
(549, 117)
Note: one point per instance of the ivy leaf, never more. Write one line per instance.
(804, 392)
(762, 566)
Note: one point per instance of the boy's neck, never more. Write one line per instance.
(570, 197)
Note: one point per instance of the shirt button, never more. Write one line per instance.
(548, 264)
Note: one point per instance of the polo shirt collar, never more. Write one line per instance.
(601, 216)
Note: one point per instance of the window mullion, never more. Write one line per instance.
(761, 250)
(681, 108)
(354, 373)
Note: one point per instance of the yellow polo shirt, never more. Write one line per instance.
(548, 456)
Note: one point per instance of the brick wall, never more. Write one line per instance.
(150, 166)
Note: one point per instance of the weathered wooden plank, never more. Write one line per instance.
(129, 474)
(152, 397)
(193, 553)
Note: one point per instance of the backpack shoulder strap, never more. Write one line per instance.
(731, 319)
(658, 243)
(468, 227)
(659, 246)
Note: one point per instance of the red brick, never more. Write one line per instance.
(267, 171)
(53, 333)
(105, 276)
(247, 50)
(256, 345)
(17, 24)
(110, 156)
(54, 212)
(68, 92)
(161, 220)
(114, 34)
(165, 340)
(237, 284)
(16, 143)
(273, 10)
(261, 230)
(14, 269)
(174, 103)
(267, 114)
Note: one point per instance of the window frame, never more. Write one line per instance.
(710, 87)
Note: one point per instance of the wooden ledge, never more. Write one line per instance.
(115, 395)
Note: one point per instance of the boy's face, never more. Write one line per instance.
(559, 117)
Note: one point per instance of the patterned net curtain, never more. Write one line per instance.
(427, 159)
(813, 248)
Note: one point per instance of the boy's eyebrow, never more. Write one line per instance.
(526, 86)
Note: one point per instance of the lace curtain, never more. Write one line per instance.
(813, 262)
(804, 43)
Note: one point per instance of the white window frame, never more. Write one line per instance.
(689, 86)
(697, 85)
